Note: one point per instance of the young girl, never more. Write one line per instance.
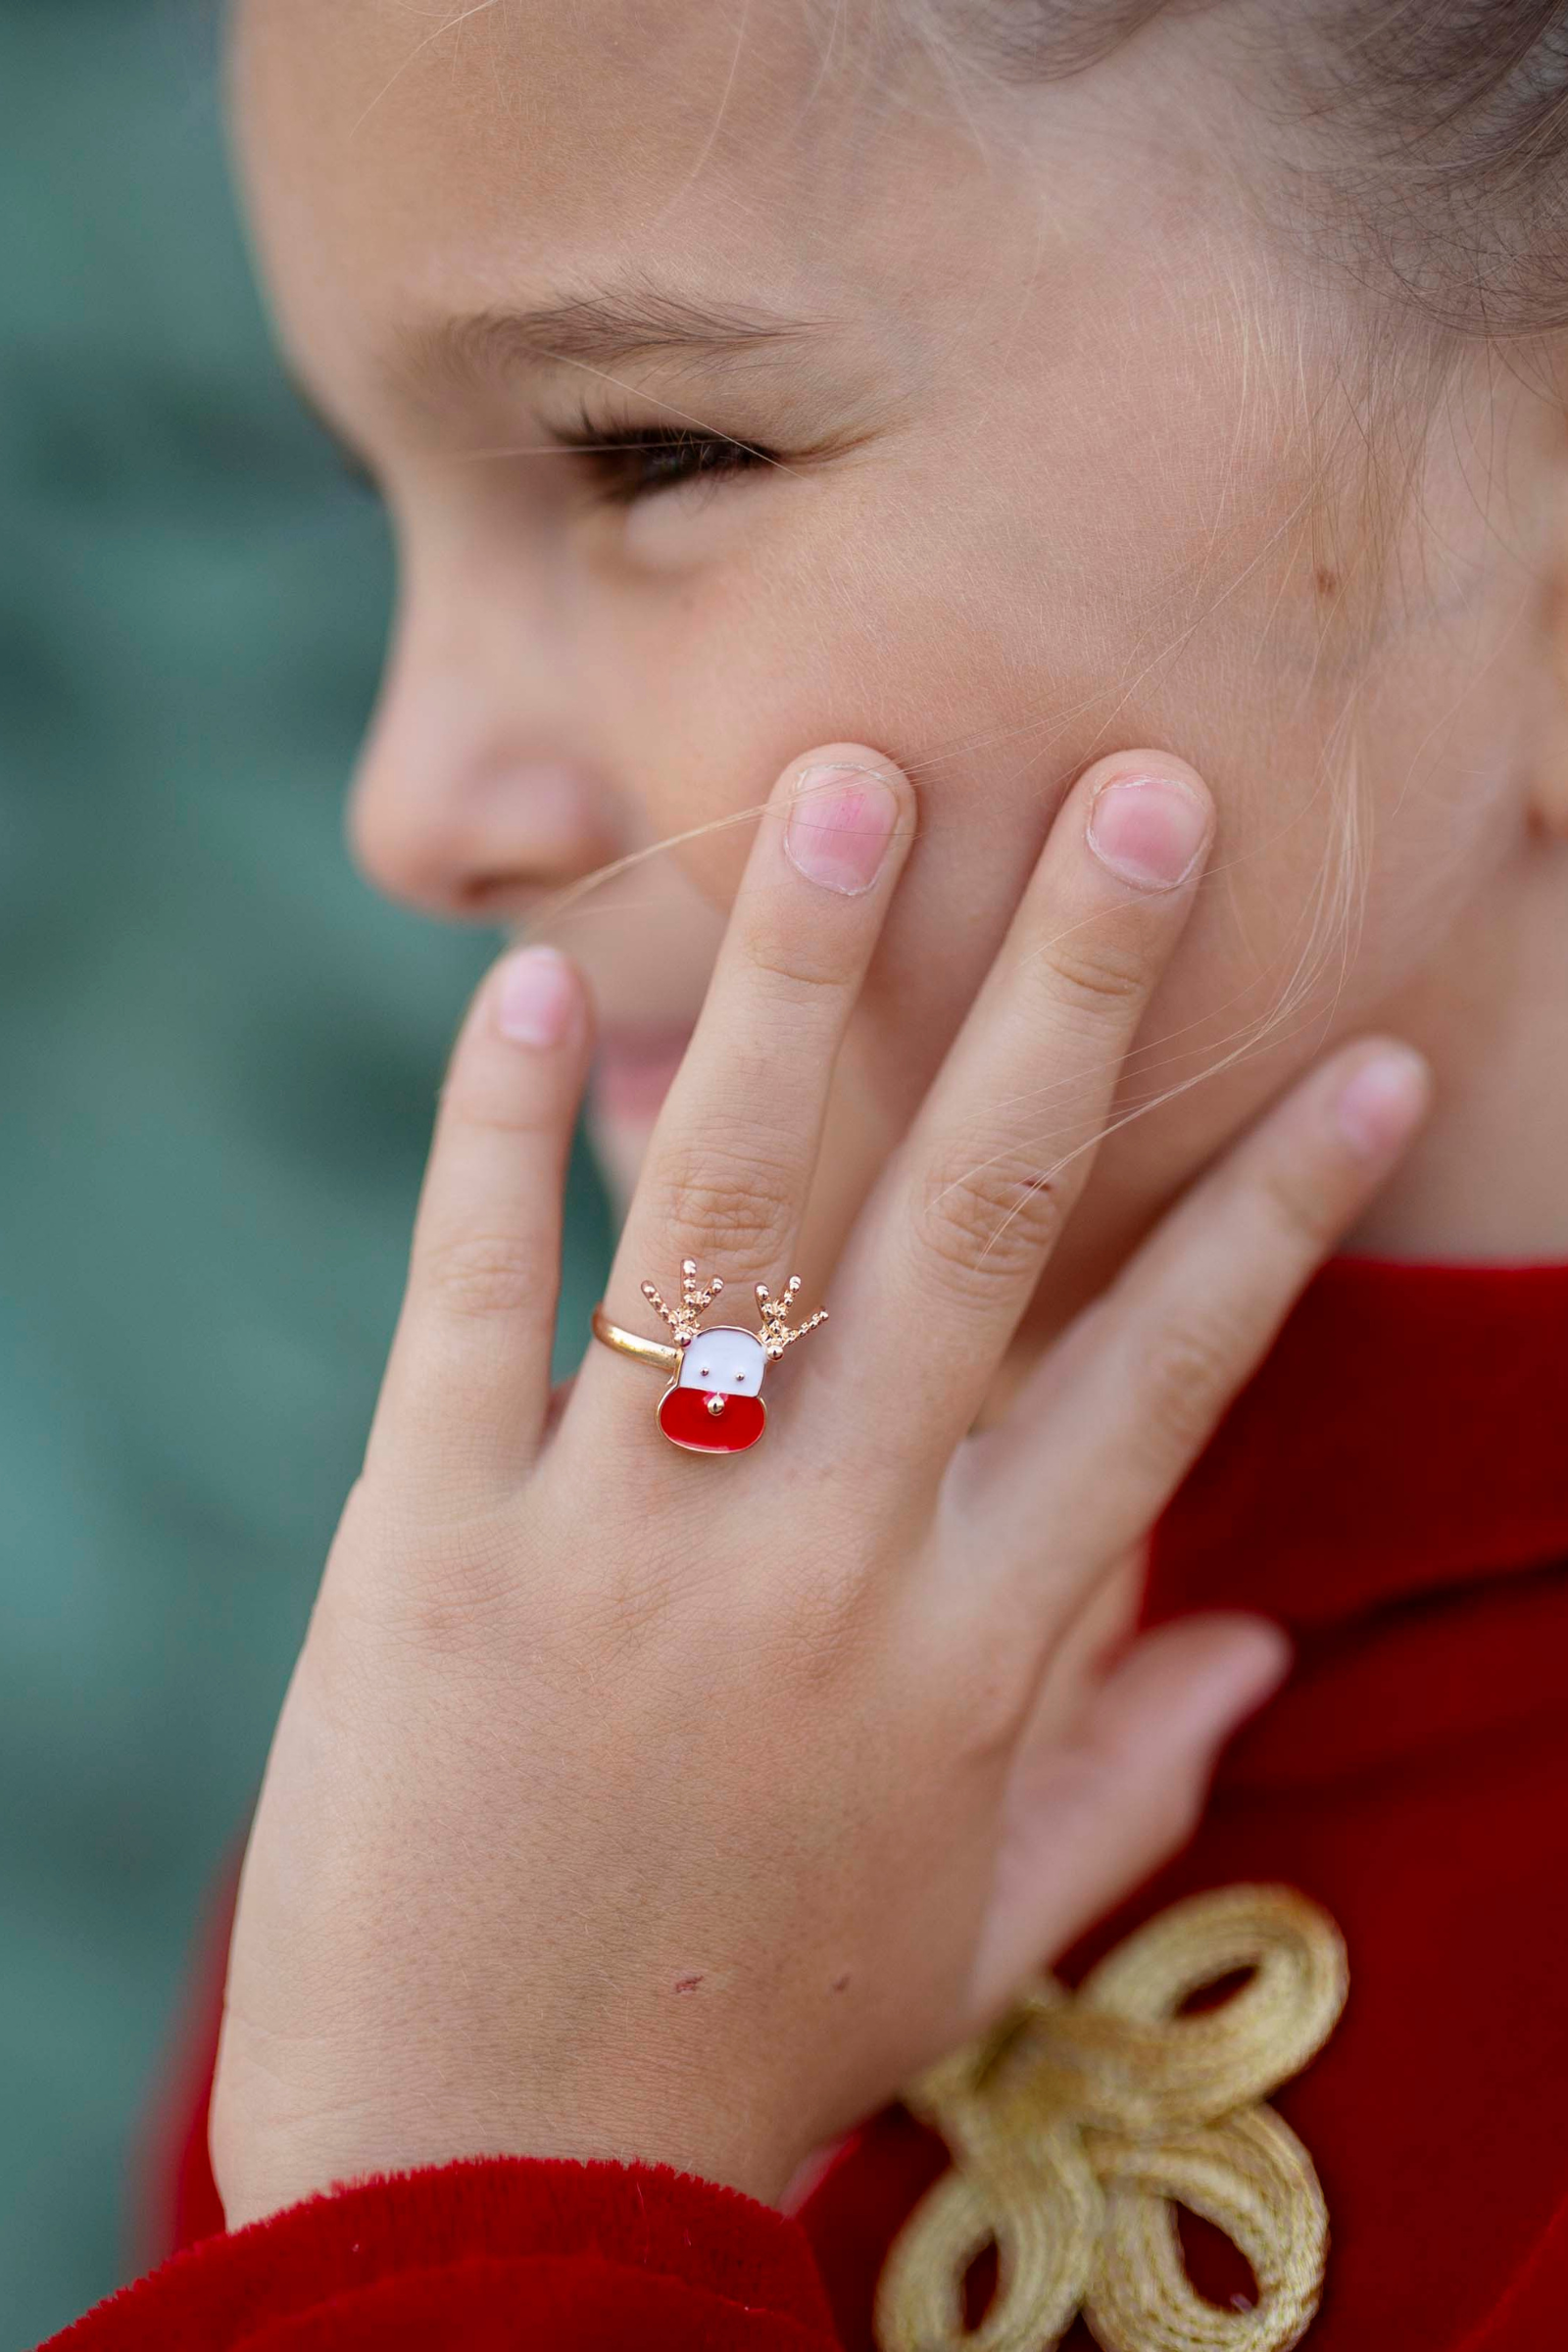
(1104, 460)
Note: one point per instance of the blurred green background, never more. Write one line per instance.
(220, 1056)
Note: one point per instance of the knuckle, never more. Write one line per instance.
(1097, 972)
(1188, 1371)
(794, 972)
(726, 1205)
(476, 1275)
(1295, 1199)
(984, 1225)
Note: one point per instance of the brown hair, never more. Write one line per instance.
(1443, 127)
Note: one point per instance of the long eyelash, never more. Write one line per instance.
(635, 461)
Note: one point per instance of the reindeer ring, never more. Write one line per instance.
(714, 1402)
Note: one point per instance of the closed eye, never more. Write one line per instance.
(637, 461)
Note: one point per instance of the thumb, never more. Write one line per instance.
(1091, 1813)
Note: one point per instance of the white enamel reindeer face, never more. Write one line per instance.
(713, 1404)
(725, 1358)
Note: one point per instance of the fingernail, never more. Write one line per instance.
(840, 823)
(535, 997)
(1149, 830)
(1376, 1109)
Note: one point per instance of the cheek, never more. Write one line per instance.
(792, 642)
(993, 658)
(993, 672)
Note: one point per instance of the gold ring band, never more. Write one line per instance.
(631, 1343)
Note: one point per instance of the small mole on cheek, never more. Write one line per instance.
(841, 1983)
(1328, 582)
(687, 1983)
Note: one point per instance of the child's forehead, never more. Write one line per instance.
(646, 99)
(528, 151)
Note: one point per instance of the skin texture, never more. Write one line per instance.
(1144, 477)
(690, 1823)
(1076, 462)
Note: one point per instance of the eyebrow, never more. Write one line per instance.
(599, 332)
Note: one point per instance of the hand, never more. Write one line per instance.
(629, 1803)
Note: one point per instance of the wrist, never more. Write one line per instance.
(270, 2175)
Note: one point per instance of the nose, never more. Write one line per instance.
(467, 803)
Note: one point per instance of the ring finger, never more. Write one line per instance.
(954, 1238)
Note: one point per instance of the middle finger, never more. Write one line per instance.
(732, 1156)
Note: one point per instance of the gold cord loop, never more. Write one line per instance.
(1080, 2121)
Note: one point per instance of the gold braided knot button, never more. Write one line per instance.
(1078, 2124)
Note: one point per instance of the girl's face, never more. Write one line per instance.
(1065, 449)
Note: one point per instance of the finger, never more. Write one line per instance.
(954, 1238)
(1087, 1636)
(467, 1383)
(1106, 1428)
(732, 1157)
(1088, 1817)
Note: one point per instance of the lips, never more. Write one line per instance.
(634, 1069)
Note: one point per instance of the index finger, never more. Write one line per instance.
(462, 1404)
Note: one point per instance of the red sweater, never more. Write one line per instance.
(1395, 1485)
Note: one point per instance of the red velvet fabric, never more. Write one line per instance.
(1395, 1485)
(500, 2252)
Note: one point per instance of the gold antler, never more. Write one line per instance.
(775, 1334)
(682, 1319)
